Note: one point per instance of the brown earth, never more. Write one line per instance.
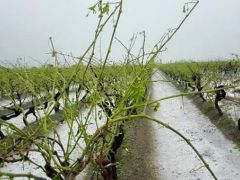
(134, 157)
(136, 154)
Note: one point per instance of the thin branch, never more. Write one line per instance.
(146, 117)
(14, 175)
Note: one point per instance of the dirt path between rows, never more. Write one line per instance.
(154, 152)
(136, 153)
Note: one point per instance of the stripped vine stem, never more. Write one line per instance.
(146, 117)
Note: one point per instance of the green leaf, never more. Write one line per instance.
(57, 177)
(237, 147)
(25, 158)
(54, 53)
(92, 8)
(156, 106)
(184, 9)
(105, 9)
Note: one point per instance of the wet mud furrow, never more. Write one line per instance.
(135, 154)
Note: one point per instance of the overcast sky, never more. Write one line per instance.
(212, 31)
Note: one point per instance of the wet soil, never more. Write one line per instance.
(136, 153)
(174, 158)
(153, 152)
(134, 157)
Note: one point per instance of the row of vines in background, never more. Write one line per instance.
(223, 76)
(92, 101)
(28, 90)
(84, 98)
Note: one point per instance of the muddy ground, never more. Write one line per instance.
(151, 152)
(154, 152)
(136, 154)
